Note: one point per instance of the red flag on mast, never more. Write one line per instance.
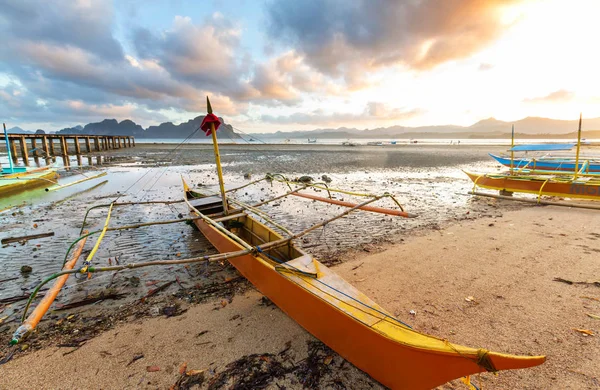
(208, 119)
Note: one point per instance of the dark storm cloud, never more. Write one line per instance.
(348, 37)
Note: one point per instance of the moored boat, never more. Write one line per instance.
(532, 179)
(329, 307)
(558, 164)
(13, 183)
(550, 185)
(16, 179)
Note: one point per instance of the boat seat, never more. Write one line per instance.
(207, 205)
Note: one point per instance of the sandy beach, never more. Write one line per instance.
(507, 264)
(476, 271)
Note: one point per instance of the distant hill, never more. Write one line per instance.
(164, 130)
(183, 130)
(18, 130)
(530, 127)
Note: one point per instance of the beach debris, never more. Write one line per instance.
(570, 282)
(254, 371)
(470, 298)
(23, 239)
(152, 368)
(591, 298)
(8, 357)
(8, 279)
(156, 290)
(412, 312)
(103, 295)
(18, 298)
(183, 368)
(304, 179)
(172, 310)
(326, 179)
(189, 379)
(247, 175)
(584, 332)
(358, 266)
(594, 316)
(26, 269)
(133, 281)
(135, 359)
(75, 343)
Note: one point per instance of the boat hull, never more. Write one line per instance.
(15, 183)
(393, 354)
(539, 185)
(566, 165)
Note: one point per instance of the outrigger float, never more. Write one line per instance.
(525, 178)
(327, 306)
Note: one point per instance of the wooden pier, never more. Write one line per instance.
(63, 145)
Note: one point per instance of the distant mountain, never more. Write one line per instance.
(529, 127)
(183, 130)
(164, 130)
(18, 130)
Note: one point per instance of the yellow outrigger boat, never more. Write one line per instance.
(13, 183)
(330, 308)
(318, 299)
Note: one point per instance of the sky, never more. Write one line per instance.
(281, 65)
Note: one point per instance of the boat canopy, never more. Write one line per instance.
(541, 147)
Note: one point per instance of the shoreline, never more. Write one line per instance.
(507, 262)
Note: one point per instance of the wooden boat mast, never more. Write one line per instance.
(217, 158)
(578, 147)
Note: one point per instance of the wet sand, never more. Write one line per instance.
(429, 264)
(507, 264)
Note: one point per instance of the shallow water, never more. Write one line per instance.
(427, 180)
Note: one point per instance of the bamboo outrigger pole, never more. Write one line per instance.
(35, 317)
(217, 158)
(578, 147)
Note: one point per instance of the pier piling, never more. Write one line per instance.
(69, 144)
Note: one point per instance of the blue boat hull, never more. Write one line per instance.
(547, 165)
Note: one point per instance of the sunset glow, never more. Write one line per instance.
(271, 66)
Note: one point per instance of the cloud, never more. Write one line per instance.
(17, 102)
(76, 23)
(349, 38)
(373, 112)
(560, 96)
(206, 55)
